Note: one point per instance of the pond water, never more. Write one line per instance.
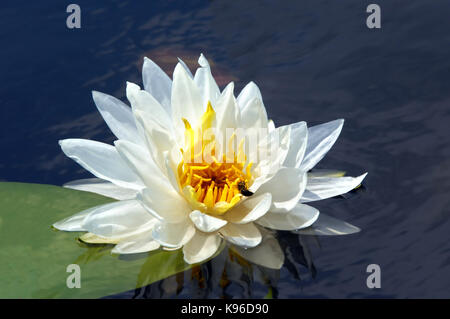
(314, 61)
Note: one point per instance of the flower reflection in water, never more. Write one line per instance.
(247, 273)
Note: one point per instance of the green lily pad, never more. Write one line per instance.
(34, 257)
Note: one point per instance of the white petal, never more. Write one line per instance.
(286, 187)
(144, 102)
(117, 219)
(203, 62)
(186, 68)
(171, 160)
(248, 93)
(299, 217)
(267, 254)
(206, 83)
(165, 204)
(74, 222)
(201, 247)
(327, 225)
(142, 164)
(157, 83)
(271, 126)
(102, 160)
(227, 110)
(320, 139)
(206, 223)
(250, 209)
(186, 100)
(140, 243)
(319, 188)
(118, 116)
(272, 150)
(102, 187)
(173, 235)
(297, 144)
(253, 114)
(158, 139)
(244, 235)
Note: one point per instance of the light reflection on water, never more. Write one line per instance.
(314, 61)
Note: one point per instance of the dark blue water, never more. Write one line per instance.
(314, 61)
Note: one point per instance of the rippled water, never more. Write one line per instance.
(314, 61)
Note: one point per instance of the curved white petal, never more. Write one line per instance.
(301, 216)
(250, 209)
(297, 145)
(267, 254)
(186, 100)
(165, 204)
(270, 126)
(186, 68)
(254, 114)
(117, 219)
(118, 116)
(171, 160)
(248, 93)
(227, 110)
(206, 223)
(244, 235)
(144, 102)
(201, 247)
(158, 139)
(157, 83)
(206, 83)
(140, 243)
(102, 187)
(320, 139)
(173, 235)
(286, 187)
(319, 188)
(74, 222)
(142, 164)
(272, 151)
(102, 160)
(329, 226)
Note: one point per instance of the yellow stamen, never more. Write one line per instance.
(209, 185)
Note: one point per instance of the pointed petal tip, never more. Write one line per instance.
(64, 142)
(121, 143)
(179, 68)
(95, 94)
(362, 177)
(340, 122)
(202, 61)
(132, 85)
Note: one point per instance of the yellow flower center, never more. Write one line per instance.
(210, 185)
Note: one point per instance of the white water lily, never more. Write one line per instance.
(165, 200)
